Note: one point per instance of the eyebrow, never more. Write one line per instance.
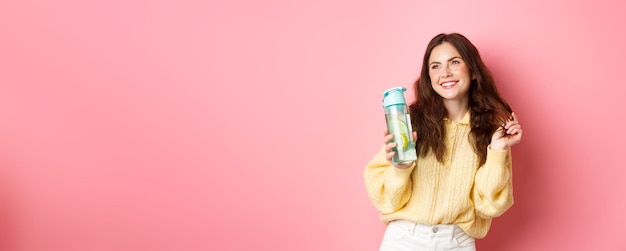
(455, 57)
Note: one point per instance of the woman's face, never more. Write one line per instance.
(449, 75)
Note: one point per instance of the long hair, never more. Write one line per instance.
(488, 109)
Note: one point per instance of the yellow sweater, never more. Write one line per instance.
(457, 191)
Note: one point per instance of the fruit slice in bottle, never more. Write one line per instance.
(402, 137)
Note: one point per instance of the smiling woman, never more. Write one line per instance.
(449, 75)
(462, 177)
(246, 125)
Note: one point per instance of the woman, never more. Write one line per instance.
(462, 177)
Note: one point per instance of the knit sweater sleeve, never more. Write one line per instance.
(493, 185)
(389, 188)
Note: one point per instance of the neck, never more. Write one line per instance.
(456, 110)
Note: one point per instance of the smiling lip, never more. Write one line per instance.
(448, 84)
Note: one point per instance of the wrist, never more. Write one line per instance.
(498, 148)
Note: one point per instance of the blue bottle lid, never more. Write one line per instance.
(394, 96)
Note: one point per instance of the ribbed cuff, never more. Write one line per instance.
(495, 158)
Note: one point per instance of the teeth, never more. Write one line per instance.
(446, 84)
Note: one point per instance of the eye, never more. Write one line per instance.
(456, 62)
(434, 67)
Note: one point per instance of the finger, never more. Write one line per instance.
(389, 147)
(514, 116)
(390, 156)
(510, 124)
(388, 138)
(386, 132)
(514, 138)
(513, 131)
(513, 128)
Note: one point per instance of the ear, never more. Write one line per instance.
(474, 76)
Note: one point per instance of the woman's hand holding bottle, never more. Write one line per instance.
(389, 146)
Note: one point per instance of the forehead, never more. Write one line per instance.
(443, 52)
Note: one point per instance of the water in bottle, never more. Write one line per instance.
(399, 124)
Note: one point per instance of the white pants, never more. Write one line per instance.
(404, 235)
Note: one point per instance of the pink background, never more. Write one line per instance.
(246, 125)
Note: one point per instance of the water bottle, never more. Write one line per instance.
(399, 124)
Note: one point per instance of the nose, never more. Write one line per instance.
(446, 72)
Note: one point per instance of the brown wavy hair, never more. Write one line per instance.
(488, 109)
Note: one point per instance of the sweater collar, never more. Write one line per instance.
(464, 120)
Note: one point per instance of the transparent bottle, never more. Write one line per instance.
(399, 124)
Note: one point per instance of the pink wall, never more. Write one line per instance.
(246, 125)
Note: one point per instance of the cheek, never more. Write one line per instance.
(465, 72)
(433, 76)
